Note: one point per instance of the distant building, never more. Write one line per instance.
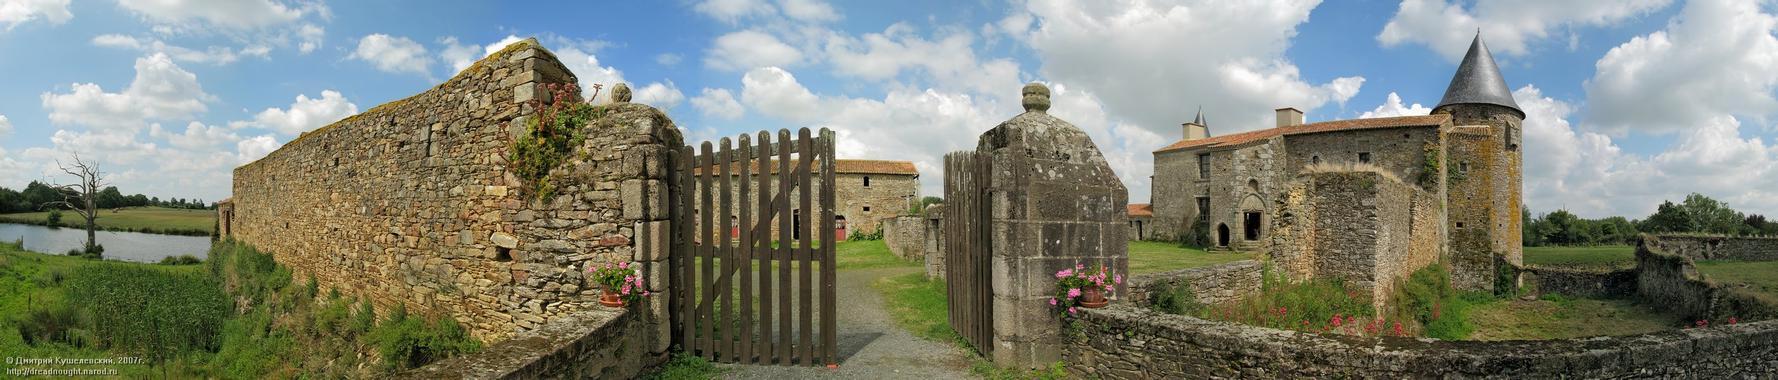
(1141, 215)
(865, 193)
(1369, 200)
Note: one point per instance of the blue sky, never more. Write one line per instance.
(1630, 102)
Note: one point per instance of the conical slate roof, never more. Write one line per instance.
(1200, 119)
(1478, 81)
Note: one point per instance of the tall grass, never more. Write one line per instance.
(155, 314)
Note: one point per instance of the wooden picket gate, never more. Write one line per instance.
(967, 250)
(725, 210)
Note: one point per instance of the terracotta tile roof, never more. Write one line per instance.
(846, 166)
(1141, 209)
(1326, 126)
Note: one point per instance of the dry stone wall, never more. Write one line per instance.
(1673, 280)
(1126, 342)
(887, 197)
(1213, 284)
(594, 344)
(934, 219)
(906, 236)
(1717, 247)
(1360, 226)
(411, 203)
(1581, 282)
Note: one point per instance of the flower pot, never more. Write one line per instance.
(1093, 298)
(609, 298)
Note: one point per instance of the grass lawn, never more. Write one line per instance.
(1153, 257)
(1562, 318)
(919, 306)
(137, 219)
(1610, 256)
(1761, 275)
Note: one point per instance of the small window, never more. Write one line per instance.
(502, 254)
(428, 142)
(1204, 166)
(1405, 136)
(1315, 159)
(336, 161)
(1364, 157)
(866, 208)
(1459, 224)
(1463, 167)
(1203, 206)
(867, 181)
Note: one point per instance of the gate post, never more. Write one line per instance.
(1053, 202)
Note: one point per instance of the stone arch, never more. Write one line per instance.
(1222, 235)
(1251, 202)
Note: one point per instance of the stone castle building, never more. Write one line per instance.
(865, 193)
(1367, 200)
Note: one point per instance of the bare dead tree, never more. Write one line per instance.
(83, 197)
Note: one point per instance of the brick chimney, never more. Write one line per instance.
(1289, 116)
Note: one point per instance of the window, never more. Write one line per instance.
(1203, 206)
(866, 208)
(1204, 165)
(428, 142)
(1364, 157)
(867, 181)
(1315, 159)
(1463, 167)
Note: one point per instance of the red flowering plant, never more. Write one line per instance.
(1073, 286)
(621, 278)
(550, 136)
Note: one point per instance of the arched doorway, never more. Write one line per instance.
(1222, 235)
(839, 228)
(1251, 228)
(1251, 209)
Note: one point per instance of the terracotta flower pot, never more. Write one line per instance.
(609, 298)
(1093, 298)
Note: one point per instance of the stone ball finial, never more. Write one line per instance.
(1037, 97)
(620, 93)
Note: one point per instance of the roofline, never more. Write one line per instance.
(1305, 129)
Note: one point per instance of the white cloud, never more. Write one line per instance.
(227, 14)
(311, 38)
(718, 103)
(160, 91)
(731, 11)
(1393, 107)
(1510, 27)
(667, 59)
(776, 93)
(15, 12)
(304, 115)
(251, 149)
(748, 49)
(1715, 58)
(501, 44)
(586, 67)
(1225, 56)
(393, 54)
(197, 136)
(809, 10)
(216, 55)
(950, 61)
(5, 126)
(458, 55)
(659, 95)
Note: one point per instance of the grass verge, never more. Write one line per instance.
(1606, 257)
(1556, 317)
(1155, 257)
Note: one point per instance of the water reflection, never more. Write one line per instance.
(127, 246)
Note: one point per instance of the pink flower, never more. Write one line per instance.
(1077, 266)
(623, 265)
(645, 293)
(1732, 320)
(1336, 320)
(1109, 289)
(1065, 273)
(1071, 310)
(1073, 292)
(1052, 301)
(1118, 279)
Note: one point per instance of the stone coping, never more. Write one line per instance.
(545, 351)
(1125, 330)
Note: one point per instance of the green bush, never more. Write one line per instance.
(365, 319)
(407, 343)
(864, 236)
(550, 137)
(56, 322)
(150, 312)
(246, 272)
(684, 367)
(1427, 298)
(180, 260)
(251, 347)
(55, 217)
(1307, 305)
(1178, 299)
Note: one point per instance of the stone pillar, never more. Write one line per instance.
(1054, 202)
(649, 138)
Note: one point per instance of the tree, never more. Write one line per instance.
(110, 198)
(1669, 217)
(83, 198)
(1712, 216)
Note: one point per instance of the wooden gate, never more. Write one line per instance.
(966, 228)
(739, 294)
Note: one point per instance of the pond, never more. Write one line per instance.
(126, 246)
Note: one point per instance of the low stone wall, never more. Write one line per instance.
(1716, 247)
(906, 236)
(1578, 282)
(935, 241)
(1673, 280)
(1127, 342)
(601, 343)
(1212, 284)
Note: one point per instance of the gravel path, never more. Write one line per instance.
(871, 346)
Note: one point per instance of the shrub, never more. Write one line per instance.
(1321, 304)
(864, 236)
(407, 343)
(150, 312)
(365, 319)
(180, 260)
(56, 322)
(1427, 298)
(246, 272)
(1199, 236)
(686, 367)
(1178, 299)
(55, 218)
(550, 136)
(251, 348)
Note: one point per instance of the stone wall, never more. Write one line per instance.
(934, 245)
(1363, 227)
(906, 236)
(1717, 247)
(1211, 284)
(412, 202)
(1581, 282)
(1673, 281)
(887, 197)
(1471, 252)
(1127, 342)
(594, 344)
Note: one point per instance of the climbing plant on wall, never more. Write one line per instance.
(550, 137)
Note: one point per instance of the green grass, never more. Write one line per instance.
(1610, 256)
(1154, 257)
(1761, 275)
(864, 254)
(684, 367)
(137, 219)
(918, 306)
(1555, 317)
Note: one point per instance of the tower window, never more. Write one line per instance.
(1204, 165)
(1364, 157)
(866, 208)
(1463, 167)
(867, 181)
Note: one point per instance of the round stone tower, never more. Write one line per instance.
(1483, 173)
